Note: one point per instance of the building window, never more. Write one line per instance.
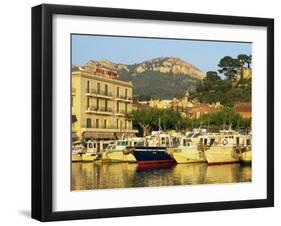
(104, 123)
(88, 123)
(88, 87)
(88, 102)
(126, 93)
(97, 123)
(117, 107)
(125, 124)
(98, 88)
(126, 107)
(106, 105)
(118, 92)
(117, 123)
(106, 90)
(98, 104)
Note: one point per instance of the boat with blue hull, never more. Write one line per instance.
(152, 156)
(154, 151)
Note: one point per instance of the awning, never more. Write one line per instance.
(93, 135)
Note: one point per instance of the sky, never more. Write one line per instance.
(205, 55)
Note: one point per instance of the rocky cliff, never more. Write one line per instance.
(163, 77)
(165, 65)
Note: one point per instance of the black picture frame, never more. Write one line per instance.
(42, 196)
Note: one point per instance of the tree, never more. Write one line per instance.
(142, 118)
(212, 76)
(228, 66)
(249, 61)
(224, 118)
(243, 59)
(148, 119)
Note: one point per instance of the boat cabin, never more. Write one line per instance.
(160, 139)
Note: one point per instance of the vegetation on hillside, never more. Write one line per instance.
(221, 120)
(146, 120)
(159, 85)
(227, 91)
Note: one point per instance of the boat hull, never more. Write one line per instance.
(76, 158)
(246, 156)
(222, 155)
(152, 156)
(117, 156)
(188, 155)
(89, 157)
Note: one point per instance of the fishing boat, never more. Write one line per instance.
(154, 151)
(117, 152)
(78, 150)
(246, 149)
(187, 151)
(91, 153)
(152, 155)
(224, 149)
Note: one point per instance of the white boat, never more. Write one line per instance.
(246, 149)
(159, 139)
(224, 149)
(116, 152)
(77, 150)
(91, 153)
(187, 151)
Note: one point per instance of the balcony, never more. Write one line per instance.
(124, 98)
(108, 129)
(99, 93)
(121, 113)
(100, 110)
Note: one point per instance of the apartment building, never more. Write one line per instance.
(99, 105)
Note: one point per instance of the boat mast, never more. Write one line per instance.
(208, 122)
(224, 121)
(159, 124)
(238, 125)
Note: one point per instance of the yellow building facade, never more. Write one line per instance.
(99, 106)
(246, 73)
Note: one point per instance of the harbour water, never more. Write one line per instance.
(87, 176)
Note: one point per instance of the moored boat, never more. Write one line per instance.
(152, 155)
(77, 151)
(246, 149)
(155, 150)
(246, 156)
(116, 152)
(224, 149)
(187, 151)
(91, 153)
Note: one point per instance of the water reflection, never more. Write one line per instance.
(124, 175)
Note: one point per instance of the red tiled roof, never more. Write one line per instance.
(243, 107)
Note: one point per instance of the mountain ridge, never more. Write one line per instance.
(174, 65)
(161, 77)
